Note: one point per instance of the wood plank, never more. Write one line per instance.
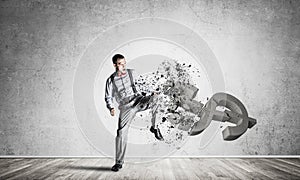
(43, 173)
(243, 169)
(168, 173)
(168, 168)
(290, 161)
(283, 168)
(177, 170)
(264, 168)
(103, 166)
(36, 164)
(7, 161)
(237, 172)
(185, 165)
(5, 171)
(203, 168)
(64, 169)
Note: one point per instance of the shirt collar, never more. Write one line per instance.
(121, 74)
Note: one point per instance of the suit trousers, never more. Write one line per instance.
(127, 114)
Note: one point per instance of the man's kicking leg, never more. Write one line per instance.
(151, 103)
(154, 129)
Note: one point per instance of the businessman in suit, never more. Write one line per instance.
(121, 86)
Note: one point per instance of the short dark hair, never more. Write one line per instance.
(116, 57)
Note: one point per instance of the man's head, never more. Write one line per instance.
(119, 62)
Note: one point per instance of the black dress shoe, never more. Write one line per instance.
(157, 133)
(116, 167)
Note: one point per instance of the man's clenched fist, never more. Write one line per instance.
(112, 112)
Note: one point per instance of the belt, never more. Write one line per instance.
(127, 100)
(142, 100)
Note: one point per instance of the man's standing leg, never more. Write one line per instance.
(125, 118)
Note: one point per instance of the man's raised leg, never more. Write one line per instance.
(154, 110)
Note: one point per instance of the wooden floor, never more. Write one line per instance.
(172, 168)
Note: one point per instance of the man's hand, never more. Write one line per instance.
(112, 112)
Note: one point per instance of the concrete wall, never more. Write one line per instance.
(256, 44)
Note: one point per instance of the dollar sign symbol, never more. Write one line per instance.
(236, 114)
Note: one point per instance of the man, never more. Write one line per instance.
(121, 85)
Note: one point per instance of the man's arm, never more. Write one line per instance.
(109, 94)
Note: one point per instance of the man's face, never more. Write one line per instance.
(121, 65)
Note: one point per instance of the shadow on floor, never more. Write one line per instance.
(92, 168)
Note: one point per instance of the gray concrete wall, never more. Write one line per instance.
(255, 42)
